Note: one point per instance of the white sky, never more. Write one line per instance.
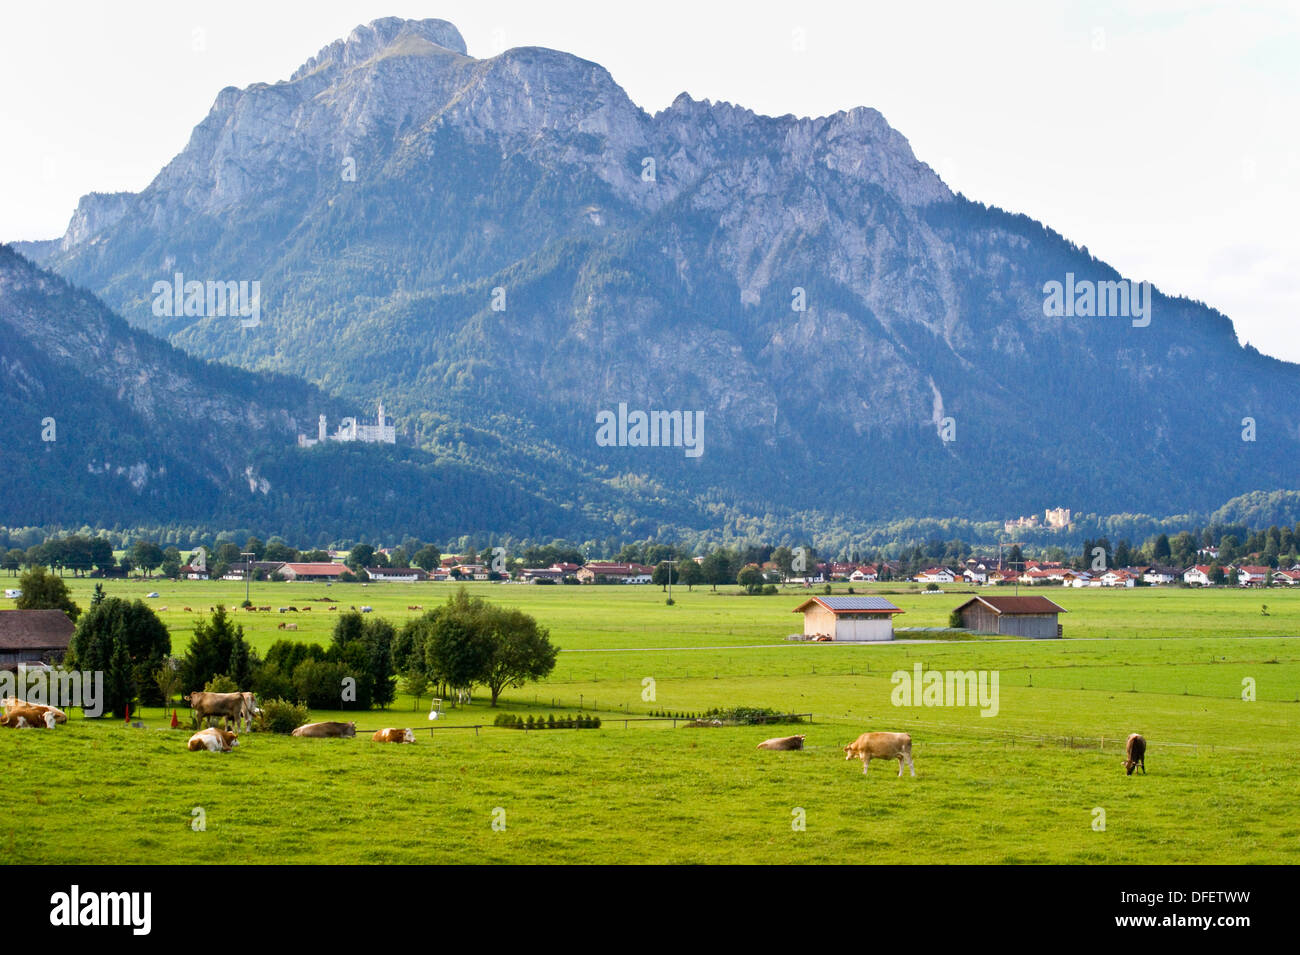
(1161, 135)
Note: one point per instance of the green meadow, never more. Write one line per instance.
(1033, 782)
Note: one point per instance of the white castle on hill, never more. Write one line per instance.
(379, 433)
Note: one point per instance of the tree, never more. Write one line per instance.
(717, 568)
(171, 563)
(691, 574)
(427, 558)
(146, 555)
(751, 578)
(521, 651)
(360, 557)
(783, 557)
(457, 650)
(415, 684)
(366, 643)
(664, 573)
(218, 647)
(398, 558)
(125, 641)
(43, 591)
(13, 560)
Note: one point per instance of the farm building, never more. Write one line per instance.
(1012, 616)
(33, 636)
(848, 619)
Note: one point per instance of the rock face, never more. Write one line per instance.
(510, 246)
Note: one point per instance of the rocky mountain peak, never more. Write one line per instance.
(389, 34)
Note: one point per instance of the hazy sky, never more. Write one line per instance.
(1163, 136)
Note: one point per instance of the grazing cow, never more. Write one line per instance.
(334, 609)
(328, 729)
(214, 740)
(390, 735)
(782, 742)
(251, 710)
(188, 610)
(871, 746)
(1136, 750)
(59, 715)
(23, 716)
(227, 705)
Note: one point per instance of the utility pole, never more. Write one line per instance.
(248, 574)
(670, 578)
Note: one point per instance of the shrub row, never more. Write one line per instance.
(511, 721)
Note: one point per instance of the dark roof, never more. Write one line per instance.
(34, 630)
(1016, 605)
(851, 604)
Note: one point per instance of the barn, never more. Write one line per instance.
(33, 636)
(848, 619)
(1012, 616)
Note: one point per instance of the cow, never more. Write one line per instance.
(250, 710)
(390, 735)
(230, 706)
(782, 742)
(213, 740)
(871, 746)
(328, 729)
(23, 716)
(59, 715)
(1135, 754)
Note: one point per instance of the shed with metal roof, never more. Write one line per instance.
(848, 619)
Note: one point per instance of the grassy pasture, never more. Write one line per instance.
(1004, 788)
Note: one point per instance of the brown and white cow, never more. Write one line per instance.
(1135, 754)
(22, 716)
(871, 746)
(229, 706)
(59, 715)
(390, 735)
(782, 742)
(213, 740)
(327, 729)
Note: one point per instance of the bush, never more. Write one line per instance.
(931, 586)
(580, 722)
(749, 716)
(954, 620)
(281, 716)
(221, 684)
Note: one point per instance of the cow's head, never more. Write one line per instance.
(848, 752)
(1129, 766)
(50, 720)
(409, 736)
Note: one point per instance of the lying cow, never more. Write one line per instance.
(230, 706)
(871, 746)
(390, 735)
(214, 740)
(327, 729)
(1136, 754)
(782, 742)
(59, 715)
(23, 716)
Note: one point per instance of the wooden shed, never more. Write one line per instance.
(33, 636)
(848, 619)
(1012, 616)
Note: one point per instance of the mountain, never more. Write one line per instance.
(503, 249)
(110, 425)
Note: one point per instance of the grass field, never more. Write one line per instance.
(1022, 786)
